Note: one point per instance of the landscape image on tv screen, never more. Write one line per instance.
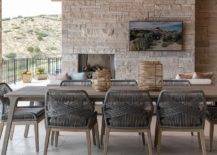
(155, 36)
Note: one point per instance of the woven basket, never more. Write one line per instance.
(150, 75)
(41, 77)
(27, 78)
(101, 80)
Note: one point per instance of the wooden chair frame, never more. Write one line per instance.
(27, 123)
(91, 127)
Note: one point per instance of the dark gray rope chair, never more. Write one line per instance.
(127, 111)
(22, 116)
(76, 83)
(176, 83)
(115, 82)
(70, 110)
(212, 118)
(55, 135)
(182, 111)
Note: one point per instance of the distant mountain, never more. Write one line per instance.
(38, 36)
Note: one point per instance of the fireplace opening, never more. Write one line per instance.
(89, 63)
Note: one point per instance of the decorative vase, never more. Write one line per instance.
(150, 75)
(101, 80)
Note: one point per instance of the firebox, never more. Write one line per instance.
(89, 63)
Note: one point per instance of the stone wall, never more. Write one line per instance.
(0, 40)
(102, 26)
(206, 36)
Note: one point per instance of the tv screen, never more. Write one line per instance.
(155, 36)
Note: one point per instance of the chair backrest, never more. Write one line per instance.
(176, 83)
(76, 83)
(115, 82)
(183, 106)
(128, 108)
(4, 102)
(67, 104)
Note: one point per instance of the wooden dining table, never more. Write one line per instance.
(37, 93)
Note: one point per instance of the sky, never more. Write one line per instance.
(151, 25)
(14, 8)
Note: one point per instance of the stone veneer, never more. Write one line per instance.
(206, 36)
(0, 41)
(102, 26)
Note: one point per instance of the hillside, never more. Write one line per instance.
(26, 37)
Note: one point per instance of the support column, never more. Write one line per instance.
(1, 65)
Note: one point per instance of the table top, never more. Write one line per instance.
(210, 91)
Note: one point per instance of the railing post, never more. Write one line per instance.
(48, 65)
(15, 71)
(27, 64)
(56, 65)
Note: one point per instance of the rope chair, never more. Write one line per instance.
(127, 110)
(22, 116)
(181, 111)
(70, 110)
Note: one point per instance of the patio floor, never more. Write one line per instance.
(120, 143)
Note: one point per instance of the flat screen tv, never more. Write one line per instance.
(155, 36)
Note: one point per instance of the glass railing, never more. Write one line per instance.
(12, 69)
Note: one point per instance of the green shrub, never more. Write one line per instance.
(37, 49)
(41, 34)
(40, 71)
(11, 55)
(30, 49)
(40, 38)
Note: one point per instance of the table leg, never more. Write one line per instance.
(9, 125)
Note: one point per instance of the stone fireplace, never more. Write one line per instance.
(102, 27)
(89, 63)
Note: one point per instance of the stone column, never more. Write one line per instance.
(1, 41)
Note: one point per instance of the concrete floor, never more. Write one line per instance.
(120, 143)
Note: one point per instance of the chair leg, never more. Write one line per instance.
(88, 142)
(56, 138)
(94, 136)
(1, 129)
(12, 132)
(36, 137)
(143, 138)
(52, 137)
(96, 128)
(102, 129)
(149, 141)
(46, 140)
(211, 136)
(107, 131)
(159, 141)
(203, 145)
(26, 131)
(199, 140)
(156, 135)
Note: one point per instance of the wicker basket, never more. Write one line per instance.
(101, 80)
(41, 77)
(150, 75)
(27, 78)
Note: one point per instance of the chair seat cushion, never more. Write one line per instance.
(180, 121)
(26, 113)
(72, 121)
(212, 113)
